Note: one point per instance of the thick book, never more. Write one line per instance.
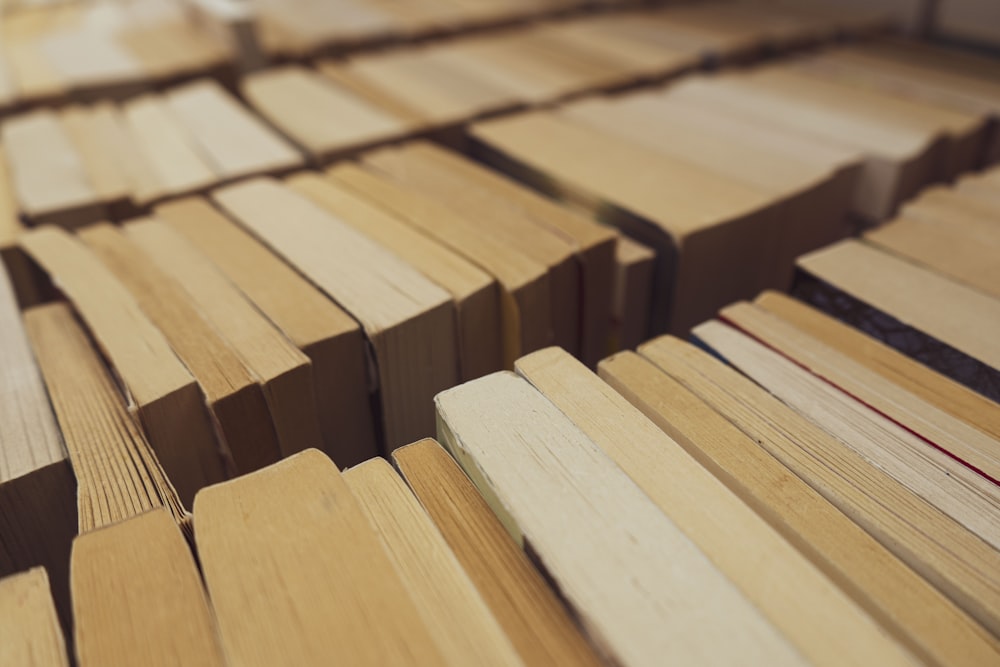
(631, 304)
(432, 87)
(34, 143)
(950, 233)
(896, 162)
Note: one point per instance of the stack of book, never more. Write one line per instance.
(321, 362)
(821, 499)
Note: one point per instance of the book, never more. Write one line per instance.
(87, 128)
(475, 293)
(525, 296)
(936, 56)
(955, 558)
(408, 320)
(140, 575)
(117, 473)
(86, 59)
(634, 264)
(175, 48)
(161, 140)
(32, 636)
(331, 339)
(33, 144)
(283, 372)
(37, 490)
(304, 27)
(302, 575)
(463, 626)
(300, 103)
(432, 87)
(524, 605)
(237, 142)
(111, 131)
(541, 474)
(714, 41)
(232, 24)
(789, 590)
(157, 387)
(232, 391)
(690, 396)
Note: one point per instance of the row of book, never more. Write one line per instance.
(107, 160)
(326, 309)
(731, 176)
(82, 51)
(816, 498)
(840, 147)
(87, 50)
